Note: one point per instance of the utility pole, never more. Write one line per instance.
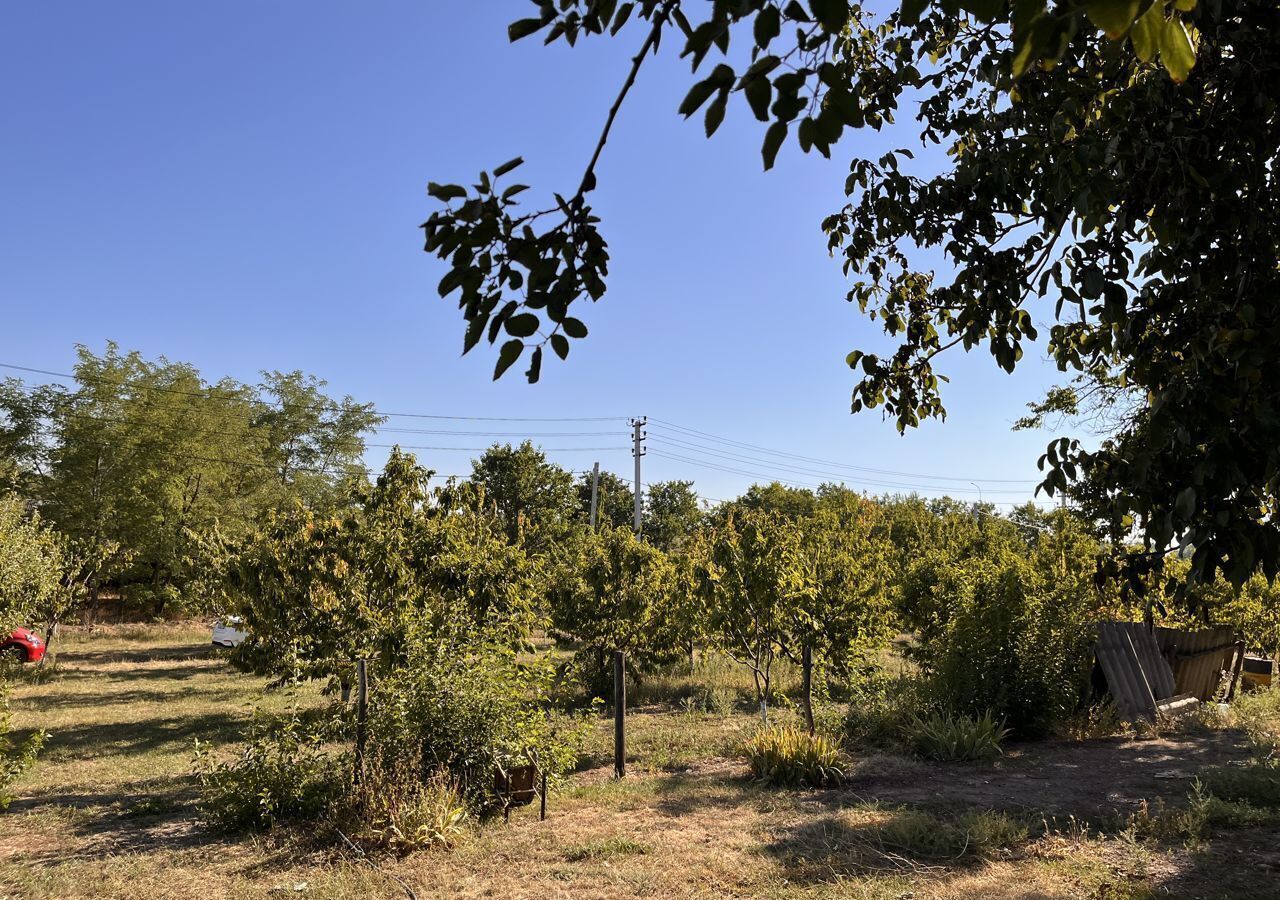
(595, 490)
(638, 451)
(619, 656)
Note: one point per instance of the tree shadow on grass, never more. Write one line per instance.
(140, 737)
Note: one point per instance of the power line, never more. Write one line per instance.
(791, 468)
(662, 423)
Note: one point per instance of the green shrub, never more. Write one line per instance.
(459, 710)
(16, 757)
(922, 835)
(881, 710)
(790, 756)
(1006, 631)
(1256, 782)
(284, 773)
(947, 737)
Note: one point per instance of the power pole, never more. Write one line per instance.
(619, 656)
(595, 490)
(638, 451)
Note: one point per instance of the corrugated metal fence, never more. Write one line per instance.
(1198, 658)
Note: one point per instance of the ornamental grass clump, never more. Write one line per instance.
(788, 756)
(947, 737)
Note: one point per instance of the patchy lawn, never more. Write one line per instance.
(109, 810)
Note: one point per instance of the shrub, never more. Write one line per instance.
(880, 712)
(16, 757)
(789, 756)
(947, 737)
(283, 773)
(1256, 783)
(922, 835)
(1005, 631)
(459, 710)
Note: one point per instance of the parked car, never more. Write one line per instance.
(23, 645)
(229, 632)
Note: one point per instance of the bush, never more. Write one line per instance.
(16, 757)
(458, 711)
(284, 773)
(881, 711)
(1005, 632)
(789, 756)
(947, 737)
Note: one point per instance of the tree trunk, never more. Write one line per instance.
(806, 684)
(50, 633)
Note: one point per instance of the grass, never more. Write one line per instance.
(108, 811)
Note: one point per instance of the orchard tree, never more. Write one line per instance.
(1110, 181)
(756, 581)
(848, 615)
(32, 564)
(613, 592)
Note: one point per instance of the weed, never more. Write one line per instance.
(1101, 720)
(1256, 782)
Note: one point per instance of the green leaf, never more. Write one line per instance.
(522, 325)
(574, 327)
(773, 139)
(445, 192)
(768, 25)
(560, 344)
(535, 366)
(984, 10)
(507, 356)
(833, 14)
(1113, 16)
(1145, 34)
(522, 28)
(1176, 53)
(911, 11)
(1186, 503)
(759, 92)
(508, 166)
(697, 96)
(715, 112)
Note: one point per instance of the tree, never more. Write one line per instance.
(613, 592)
(1111, 167)
(849, 613)
(527, 490)
(671, 514)
(32, 565)
(615, 502)
(142, 463)
(755, 580)
(319, 591)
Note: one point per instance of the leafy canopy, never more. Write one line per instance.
(1110, 184)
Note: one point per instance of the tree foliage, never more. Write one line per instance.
(1110, 183)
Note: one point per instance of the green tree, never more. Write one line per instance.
(671, 514)
(756, 580)
(528, 492)
(613, 592)
(615, 501)
(1110, 179)
(33, 565)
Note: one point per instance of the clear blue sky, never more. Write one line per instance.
(238, 185)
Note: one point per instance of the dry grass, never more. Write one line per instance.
(108, 811)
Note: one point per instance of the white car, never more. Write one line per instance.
(229, 632)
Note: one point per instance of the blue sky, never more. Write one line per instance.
(239, 185)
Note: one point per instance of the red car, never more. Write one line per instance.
(24, 646)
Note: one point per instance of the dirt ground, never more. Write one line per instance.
(110, 812)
